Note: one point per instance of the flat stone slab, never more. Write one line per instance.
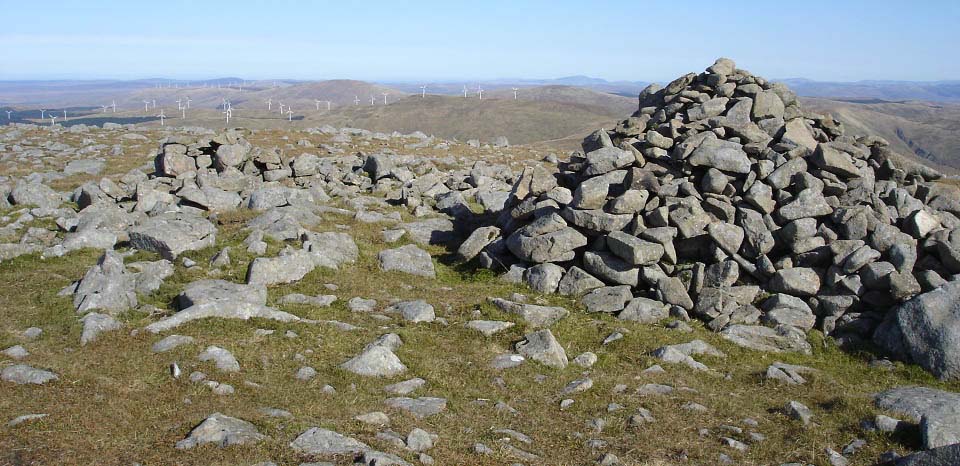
(221, 310)
(534, 315)
(937, 412)
(407, 259)
(22, 374)
(756, 337)
(319, 441)
(173, 234)
(170, 342)
(420, 408)
(489, 327)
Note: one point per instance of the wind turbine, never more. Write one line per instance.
(464, 91)
(53, 120)
(188, 102)
(356, 100)
(104, 108)
(281, 108)
(64, 114)
(8, 113)
(289, 114)
(269, 104)
(161, 116)
(179, 104)
(423, 92)
(328, 105)
(114, 105)
(515, 93)
(373, 100)
(146, 106)
(480, 91)
(384, 98)
(317, 101)
(228, 113)
(41, 113)
(154, 103)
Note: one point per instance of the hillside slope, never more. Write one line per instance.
(455, 117)
(927, 130)
(617, 105)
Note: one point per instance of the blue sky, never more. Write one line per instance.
(434, 40)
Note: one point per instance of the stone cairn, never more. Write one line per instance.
(722, 199)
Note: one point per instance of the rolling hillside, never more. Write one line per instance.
(455, 117)
(617, 105)
(927, 130)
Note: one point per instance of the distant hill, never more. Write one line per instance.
(338, 91)
(936, 91)
(521, 121)
(622, 88)
(929, 131)
(614, 105)
(302, 96)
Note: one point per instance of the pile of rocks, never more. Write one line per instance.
(722, 199)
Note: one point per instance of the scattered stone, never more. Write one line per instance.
(223, 431)
(22, 374)
(223, 359)
(541, 346)
(489, 327)
(798, 411)
(94, 324)
(318, 441)
(15, 352)
(419, 407)
(407, 259)
(24, 418)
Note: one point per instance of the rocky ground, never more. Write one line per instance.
(718, 280)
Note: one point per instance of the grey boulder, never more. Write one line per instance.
(926, 330)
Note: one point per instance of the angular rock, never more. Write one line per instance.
(541, 346)
(223, 431)
(407, 259)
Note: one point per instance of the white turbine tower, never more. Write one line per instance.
(384, 98)
(105, 108)
(480, 91)
(356, 100)
(289, 114)
(317, 101)
(515, 93)
(228, 114)
(161, 116)
(183, 113)
(179, 104)
(8, 113)
(423, 92)
(188, 102)
(464, 91)
(154, 103)
(269, 104)
(373, 100)
(114, 105)
(146, 106)
(281, 108)
(53, 120)
(64, 114)
(42, 113)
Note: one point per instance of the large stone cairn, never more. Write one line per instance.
(722, 199)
